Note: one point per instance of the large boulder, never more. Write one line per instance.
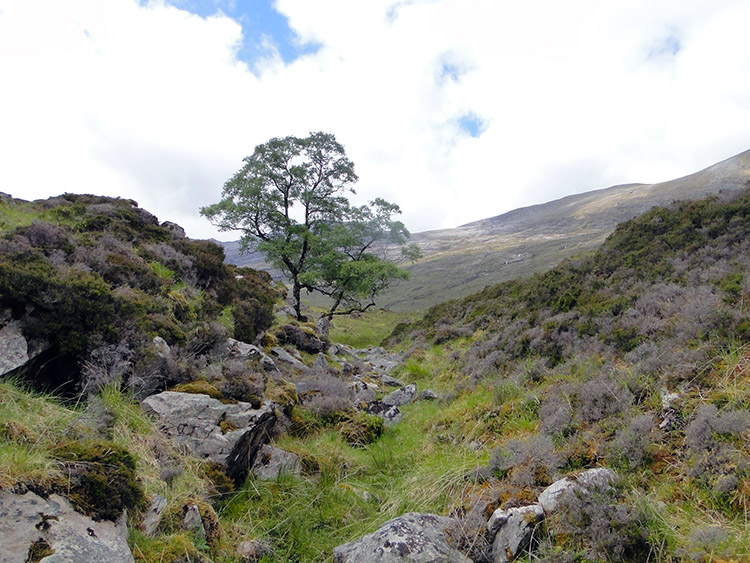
(513, 530)
(32, 527)
(230, 435)
(591, 479)
(413, 537)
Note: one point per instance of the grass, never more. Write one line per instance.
(354, 490)
(368, 329)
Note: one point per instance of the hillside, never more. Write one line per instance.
(534, 239)
(460, 261)
(623, 375)
(636, 358)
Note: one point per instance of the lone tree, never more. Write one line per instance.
(289, 202)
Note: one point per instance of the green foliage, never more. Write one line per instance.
(85, 274)
(362, 429)
(199, 386)
(326, 246)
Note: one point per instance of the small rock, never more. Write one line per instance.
(193, 420)
(72, 537)
(14, 349)
(323, 324)
(282, 355)
(389, 413)
(389, 381)
(402, 396)
(241, 350)
(193, 520)
(153, 516)
(267, 363)
(591, 479)
(301, 339)
(253, 550)
(162, 348)
(272, 462)
(320, 362)
(428, 395)
(361, 392)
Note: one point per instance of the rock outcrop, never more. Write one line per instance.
(230, 435)
(413, 537)
(33, 529)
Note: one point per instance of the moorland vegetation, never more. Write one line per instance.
(635, 357)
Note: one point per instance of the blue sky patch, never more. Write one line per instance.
(259, 19)
(667, 46)
(472, 124)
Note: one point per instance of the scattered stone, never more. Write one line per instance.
(193, 521)
(591, 479)
(402, 396)
(162, 348)
(428, 395)
(28, 521)
(389, 413)
(379, 358)
(152, 518)
(361, 392)
(236, 349)
(513, 530)
(389, 381)
(323, 325)
(283, 356)
(320, 362)
(272, 462)
(193, 420)
(253, 550)
(413, 537)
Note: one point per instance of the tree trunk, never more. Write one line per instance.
(296, 290)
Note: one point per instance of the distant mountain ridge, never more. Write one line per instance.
(461, 261)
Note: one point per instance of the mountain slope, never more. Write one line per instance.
(461, 261)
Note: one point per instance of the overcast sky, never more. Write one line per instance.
(456, 110)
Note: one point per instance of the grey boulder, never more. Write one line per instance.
(29, 520)
(194, 421)
(412, 537)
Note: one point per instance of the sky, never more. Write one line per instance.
(456, 110)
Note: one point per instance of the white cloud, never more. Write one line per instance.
(151, 102)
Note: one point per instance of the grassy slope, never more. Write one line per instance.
(662, 307)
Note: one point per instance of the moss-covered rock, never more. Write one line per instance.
(101, 478)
